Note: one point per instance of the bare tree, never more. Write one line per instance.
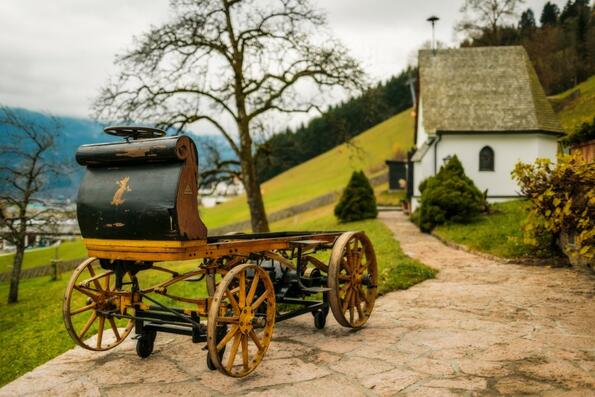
(486, 16)
(230, 63)
(24, 169)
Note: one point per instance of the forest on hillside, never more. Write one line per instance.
(560, 44)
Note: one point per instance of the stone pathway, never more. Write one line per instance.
(480, 328)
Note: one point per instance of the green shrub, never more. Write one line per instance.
(584, 134)
(357, 201)
(449, 196)
(537, 236)
(563, 198)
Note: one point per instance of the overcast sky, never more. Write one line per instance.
(54, 55)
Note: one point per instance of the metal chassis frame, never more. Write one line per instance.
(161, 318)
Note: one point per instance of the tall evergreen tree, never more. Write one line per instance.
(527, 21)
(550, 14)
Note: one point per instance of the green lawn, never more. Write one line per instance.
(579, 111)
(68, 250)
(396, 270)
(384, 197)
(325, 173)
(32, 332)
(498, 234)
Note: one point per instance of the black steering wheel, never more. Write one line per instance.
(134, 132)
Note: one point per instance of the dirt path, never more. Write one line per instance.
(480, 328)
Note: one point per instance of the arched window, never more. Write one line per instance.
(486, 159)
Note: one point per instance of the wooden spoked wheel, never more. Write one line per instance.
(89, 298)
(352, 279)
(244, 307)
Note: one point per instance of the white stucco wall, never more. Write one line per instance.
(422, 135)
(508, 150)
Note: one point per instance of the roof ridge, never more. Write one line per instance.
(545, 121)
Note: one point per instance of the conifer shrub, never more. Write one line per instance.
(357, 201)
(449, 196)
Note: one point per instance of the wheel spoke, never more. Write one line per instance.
(245, 351)
(87, 291)
(253, 287)
(228, 320)
(344, 277)
(92, 273)
(88, 325)
(234, 330)
(259, 301)
(347, 299)
(363, 294)
(83, 309)
(112, 324)
(242, 288)
(256, 340)
(232, 300)
(233, 352)
(358, 306)
(351, 309)
(100, 331)
(345, 264)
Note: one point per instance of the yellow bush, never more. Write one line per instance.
(563, 196)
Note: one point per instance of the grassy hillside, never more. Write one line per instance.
(325, 173)
(43, 256)
(579, 110)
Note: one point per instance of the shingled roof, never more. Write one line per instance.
(483, 89)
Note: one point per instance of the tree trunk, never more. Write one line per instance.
(13, 294)
(258, 217)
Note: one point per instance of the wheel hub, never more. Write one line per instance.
(246, 317)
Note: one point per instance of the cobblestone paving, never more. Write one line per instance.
(480, 328)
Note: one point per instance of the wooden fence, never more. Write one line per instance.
(45, 270)
(587, 150)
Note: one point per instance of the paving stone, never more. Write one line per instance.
(467, 383)
(517, 385)
(391, 382)
(327, 386)
(360, 367)
(165, 390)
(269, 373)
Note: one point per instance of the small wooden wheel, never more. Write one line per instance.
(90, 294)
(245, 302)
(352, 279)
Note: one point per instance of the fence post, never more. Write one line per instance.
(55, 264)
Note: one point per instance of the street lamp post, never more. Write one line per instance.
(433, 19)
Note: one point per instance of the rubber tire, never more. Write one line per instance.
(210, 364)
(145, 344)
(320, 319)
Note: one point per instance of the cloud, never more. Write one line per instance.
(55, 55)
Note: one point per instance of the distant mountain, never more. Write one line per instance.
(80, 131)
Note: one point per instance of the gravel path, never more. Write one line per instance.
(480, 328)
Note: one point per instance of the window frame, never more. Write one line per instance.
(491, 162)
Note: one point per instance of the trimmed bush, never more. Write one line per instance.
(449, 196)
(357, 201)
